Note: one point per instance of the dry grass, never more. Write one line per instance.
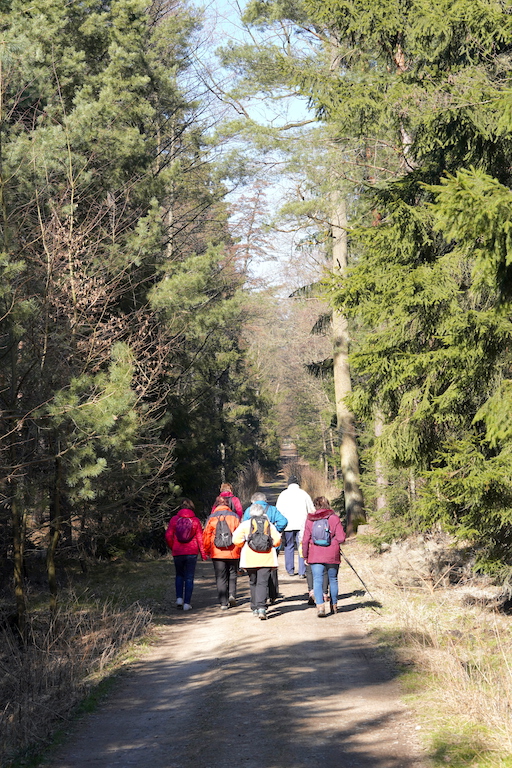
(42, 681)
(248, 481)
(311, 480)
(459, 661)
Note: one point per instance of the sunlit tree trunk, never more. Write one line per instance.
(349, 456)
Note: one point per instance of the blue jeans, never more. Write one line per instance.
(317, 570)
(290, 537)
(185, 567)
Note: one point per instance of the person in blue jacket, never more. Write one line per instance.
(280, 522)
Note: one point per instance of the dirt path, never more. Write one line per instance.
(224, 689)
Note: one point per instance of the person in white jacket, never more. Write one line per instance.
(294, 504)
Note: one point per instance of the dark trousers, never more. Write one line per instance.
(273, 584)
(258, 579)
(185, 567)
(290, 541)
(225, 578)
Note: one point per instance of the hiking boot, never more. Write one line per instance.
(187, 607)
(179, 602)
(335, 607)
(224, 607)
(327, 607)
(320, 611)
(256, 612)
(232, 601)
(311, 598)
(262, 613)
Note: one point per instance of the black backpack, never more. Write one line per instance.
(259, 537)
(223, 537)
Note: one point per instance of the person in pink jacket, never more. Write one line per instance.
(226, 492)
(323, 534)
(184, 537)
(257, 564)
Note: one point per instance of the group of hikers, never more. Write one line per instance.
(239, 541)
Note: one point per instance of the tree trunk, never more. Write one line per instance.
(354, 502)
(380, 477)
(19, 524)
(55, 529)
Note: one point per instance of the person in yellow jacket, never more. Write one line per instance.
(259, 538)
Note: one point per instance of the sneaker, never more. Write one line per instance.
(262, 613)
(187, 607)
(255, 612)
(320, 611)
(224, 607)
(232, 601)
(179, 602)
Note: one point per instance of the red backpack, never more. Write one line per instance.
(184, 529)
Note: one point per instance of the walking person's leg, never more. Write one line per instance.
(301, 564)
(253, 576)
(190, 569)
(221, 579)
(289, 551)
(232, 576)
(273, 585)
(309, 577)
(318, 577)
(332, 571)
(325, 586)
(261, 591)
(179, 579)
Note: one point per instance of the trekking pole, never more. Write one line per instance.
(356, 573)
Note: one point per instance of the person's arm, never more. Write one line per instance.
(339, 533)
(207, 538)
(199, 536)
(239, 534)
(276, 536)
(306, 539)
(169, 534)
(280, 521)
(238, 506)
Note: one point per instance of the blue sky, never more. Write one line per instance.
(222, 24)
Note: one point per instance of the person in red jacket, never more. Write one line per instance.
(233, 502)
(323, 534)
(184, 537)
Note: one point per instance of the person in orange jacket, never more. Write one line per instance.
(225, 559)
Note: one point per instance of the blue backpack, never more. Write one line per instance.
(321, 533)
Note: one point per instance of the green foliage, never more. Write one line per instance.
(474, 210)
(122, 368)
(417, 95)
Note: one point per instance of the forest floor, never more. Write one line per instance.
(219, 689)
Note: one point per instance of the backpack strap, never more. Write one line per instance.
(223, 513)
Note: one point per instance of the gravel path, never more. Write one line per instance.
(222, 689)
